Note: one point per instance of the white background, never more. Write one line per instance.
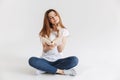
(94, 27)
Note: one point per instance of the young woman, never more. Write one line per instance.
(53, 36)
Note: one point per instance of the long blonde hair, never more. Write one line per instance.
(46, 29)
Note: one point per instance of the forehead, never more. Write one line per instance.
(52, 13)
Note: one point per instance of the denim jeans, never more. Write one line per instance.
(51, 67)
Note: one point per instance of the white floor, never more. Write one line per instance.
(17, 68)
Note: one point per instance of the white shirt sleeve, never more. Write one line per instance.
(65, 33)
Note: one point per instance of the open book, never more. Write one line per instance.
(49, 42)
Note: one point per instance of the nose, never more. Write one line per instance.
(53, 18)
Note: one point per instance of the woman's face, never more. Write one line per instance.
(53, 18)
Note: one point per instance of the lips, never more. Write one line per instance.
(56, 21)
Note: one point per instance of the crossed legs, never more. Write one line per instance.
(54, 67)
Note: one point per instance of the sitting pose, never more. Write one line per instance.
(53, 36)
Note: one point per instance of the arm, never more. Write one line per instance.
(62, 38)
(46, 40)
(62, 45)
(57, 40)
(47, 47)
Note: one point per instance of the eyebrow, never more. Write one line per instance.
(52, 16)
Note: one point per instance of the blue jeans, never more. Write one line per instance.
(51, 67)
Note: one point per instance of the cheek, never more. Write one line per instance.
(51, 21)
(58, 18)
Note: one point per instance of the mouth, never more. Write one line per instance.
(56, 21)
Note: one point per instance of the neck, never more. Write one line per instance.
(55, 27)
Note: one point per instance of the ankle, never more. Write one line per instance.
(60, 71)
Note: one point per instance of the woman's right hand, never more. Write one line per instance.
(47, 47)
